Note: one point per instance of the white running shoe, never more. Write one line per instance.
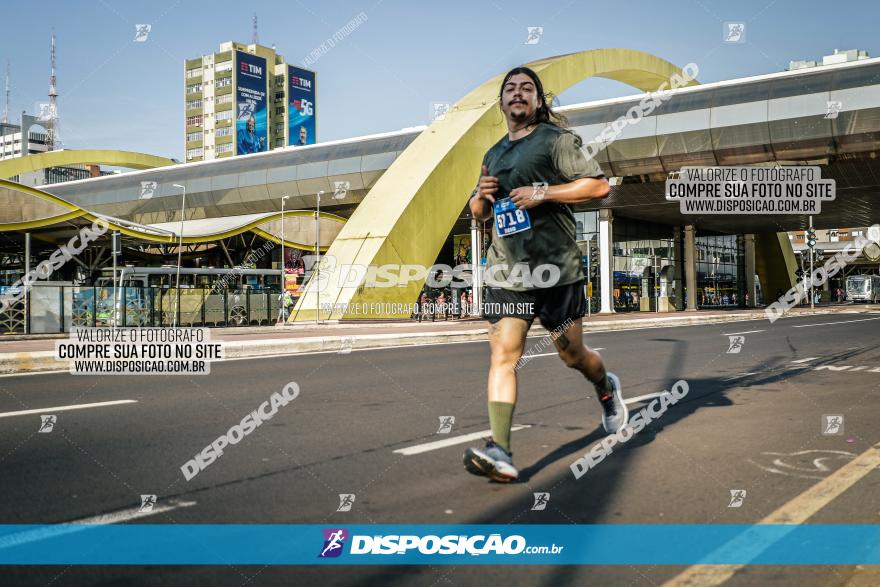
(616, 414)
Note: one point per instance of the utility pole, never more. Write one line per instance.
(53, 102)
(8, 92)
(811, 242)
(318, 254)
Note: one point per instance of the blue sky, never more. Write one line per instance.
(118, 94)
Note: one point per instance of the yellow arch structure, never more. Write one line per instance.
(130, 159)
(407, 215)
(70, 211)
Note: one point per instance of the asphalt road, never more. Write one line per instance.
(751, 420)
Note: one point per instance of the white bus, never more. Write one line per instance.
(215, 297)
(863, 288)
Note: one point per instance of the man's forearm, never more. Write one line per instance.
(480, 208)
(579, 190)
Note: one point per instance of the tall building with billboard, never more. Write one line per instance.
(245, 99)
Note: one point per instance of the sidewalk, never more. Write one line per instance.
(36, 353)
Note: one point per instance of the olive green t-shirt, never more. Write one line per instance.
(552, 155)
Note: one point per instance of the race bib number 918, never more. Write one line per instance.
(509, 219)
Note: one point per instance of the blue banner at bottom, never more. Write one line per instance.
(244, 544)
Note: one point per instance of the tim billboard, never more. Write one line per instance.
(301, 111)
(250, 99)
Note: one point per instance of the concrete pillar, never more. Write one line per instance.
(677, 263)
(606, 253)
(749, 249)
(690, 267)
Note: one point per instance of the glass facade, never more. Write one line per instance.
(646, 254)
(720, 271)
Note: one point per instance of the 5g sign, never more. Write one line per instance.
(306, 107)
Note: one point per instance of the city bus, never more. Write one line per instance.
(863, 288)
(207, 297)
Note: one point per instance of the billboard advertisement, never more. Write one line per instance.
(301, 110)
(251, 124)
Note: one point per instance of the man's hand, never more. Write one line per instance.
(528, 197)
(482, 201)
(487, 186)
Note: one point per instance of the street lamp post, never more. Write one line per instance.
(318, 254)
(812, 248)
(283, 266)
(179, 254)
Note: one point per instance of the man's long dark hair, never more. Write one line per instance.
(544, 112)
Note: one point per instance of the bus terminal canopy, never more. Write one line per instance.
(28, 209)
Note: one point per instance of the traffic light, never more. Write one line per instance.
(811, 238)
(594, 259)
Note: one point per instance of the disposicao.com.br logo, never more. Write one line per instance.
(429, 545)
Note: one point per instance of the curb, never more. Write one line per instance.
(44, 361)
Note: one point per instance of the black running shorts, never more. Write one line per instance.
(553, 305)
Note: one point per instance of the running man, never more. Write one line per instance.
(530, 179)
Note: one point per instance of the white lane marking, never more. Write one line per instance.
(808, 359)
(116, 517)
(746, 332)
(794, 512)
(647, 396)
(420, 448)
(833, 323)
(67, 408)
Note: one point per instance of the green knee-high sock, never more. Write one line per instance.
(500, 420)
